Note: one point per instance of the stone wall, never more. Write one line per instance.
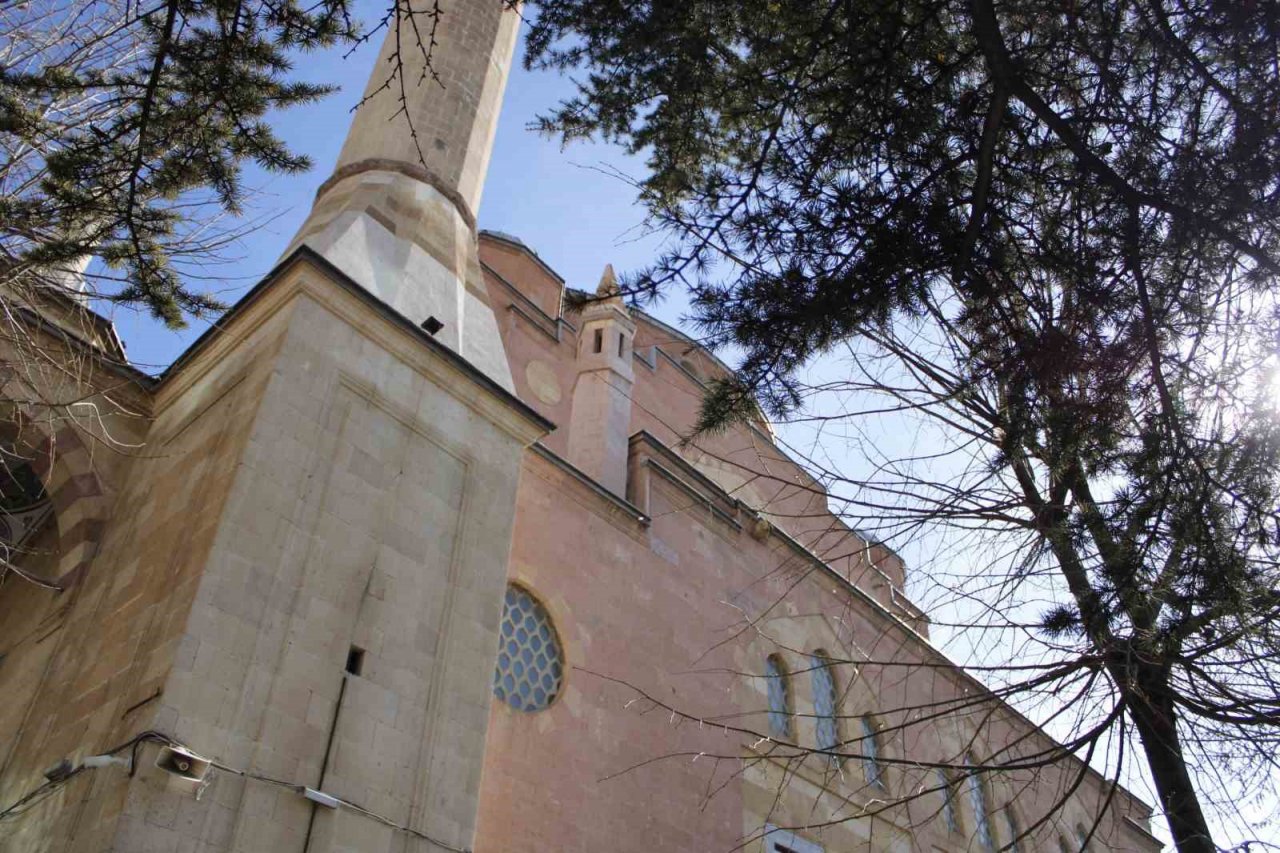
(668, 604)
(320, 475)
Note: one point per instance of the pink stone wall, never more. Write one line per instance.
(666, 623)
(665, 400)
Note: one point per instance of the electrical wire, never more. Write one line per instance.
(34, 797)
(301, 789)
(9, 568)
(407, 829)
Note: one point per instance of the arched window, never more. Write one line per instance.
(826, 727)
(44, 482)
(30, 543)
(978, 802)
(778, 683)
(1011, 824)
(25, 510)
(950, 816)
(872, 769)
(530, 664)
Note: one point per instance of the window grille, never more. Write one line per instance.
(824, 705)
(530, 666)
(778, 684)
(947, 789)
(1011, 824)
(978, 802)
(872, 769)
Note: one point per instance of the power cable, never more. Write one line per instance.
(35, 796)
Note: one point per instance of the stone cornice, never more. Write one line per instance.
(378, 321)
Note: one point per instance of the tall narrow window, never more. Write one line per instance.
(824, 704)
(778, 684)
(780, 841)
(947, 789)
(598, 341)
(978, 802)
(25, 507)
(872, 769)
(1082, 836)
(1011, 824)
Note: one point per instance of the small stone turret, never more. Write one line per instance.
(600, 421)
(398, 213)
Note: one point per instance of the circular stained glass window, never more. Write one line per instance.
(530, 664)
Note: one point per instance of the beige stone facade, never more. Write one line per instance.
(289, 555)
(319, 475)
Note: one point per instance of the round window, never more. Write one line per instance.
(530, 664)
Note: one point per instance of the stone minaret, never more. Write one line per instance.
(321, 617)
(398, 213)
(600, 421)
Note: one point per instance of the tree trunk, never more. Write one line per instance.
(1153, 715)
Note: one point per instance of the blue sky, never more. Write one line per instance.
(559, 201)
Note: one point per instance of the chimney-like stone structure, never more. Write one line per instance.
(600, 421)
(398, 213)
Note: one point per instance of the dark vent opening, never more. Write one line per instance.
(355, 660)
(432, 325)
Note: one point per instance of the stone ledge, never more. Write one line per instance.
(416, 171)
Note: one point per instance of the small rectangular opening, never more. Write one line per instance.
(355, 660)
(599, 340)
(622, 343)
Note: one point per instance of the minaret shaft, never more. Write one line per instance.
(398, 213)
(451, 118)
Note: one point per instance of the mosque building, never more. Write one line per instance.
(409, 553)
